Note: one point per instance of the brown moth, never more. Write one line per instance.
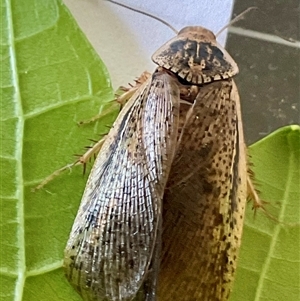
(162, 214)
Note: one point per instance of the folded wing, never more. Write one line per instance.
(114, 234)
(205, 200)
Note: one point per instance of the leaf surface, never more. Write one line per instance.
(269, 261)
(51, 78)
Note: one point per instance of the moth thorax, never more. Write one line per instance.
(196, 57)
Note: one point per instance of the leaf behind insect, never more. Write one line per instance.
(269, 261)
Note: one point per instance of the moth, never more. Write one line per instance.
(162, 213)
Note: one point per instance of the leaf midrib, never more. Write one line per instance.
(21, 263)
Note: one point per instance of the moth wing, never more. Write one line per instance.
(112, 240)
(205, 200)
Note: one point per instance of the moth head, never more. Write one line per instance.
(196, 57)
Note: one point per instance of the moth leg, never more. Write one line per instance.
(127, 93)
(102, 114)
(123, 94)
(253, 194)
(258, 203)
(82, 160)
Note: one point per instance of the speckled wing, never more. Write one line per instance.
(112, 241)
(205, 199)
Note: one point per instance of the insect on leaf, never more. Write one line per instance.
(185, 120)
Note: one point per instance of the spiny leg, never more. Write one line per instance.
(123, 94)
(253, 194)
(82, 160)
(94, 150)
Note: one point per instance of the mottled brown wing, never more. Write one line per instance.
(115, 232)
(204, 200)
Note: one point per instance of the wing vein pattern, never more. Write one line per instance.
(115, 232)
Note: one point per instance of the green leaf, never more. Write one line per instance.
(269, 261)
(51, 78)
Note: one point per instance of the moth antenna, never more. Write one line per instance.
(146, 14)
(236, 19)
